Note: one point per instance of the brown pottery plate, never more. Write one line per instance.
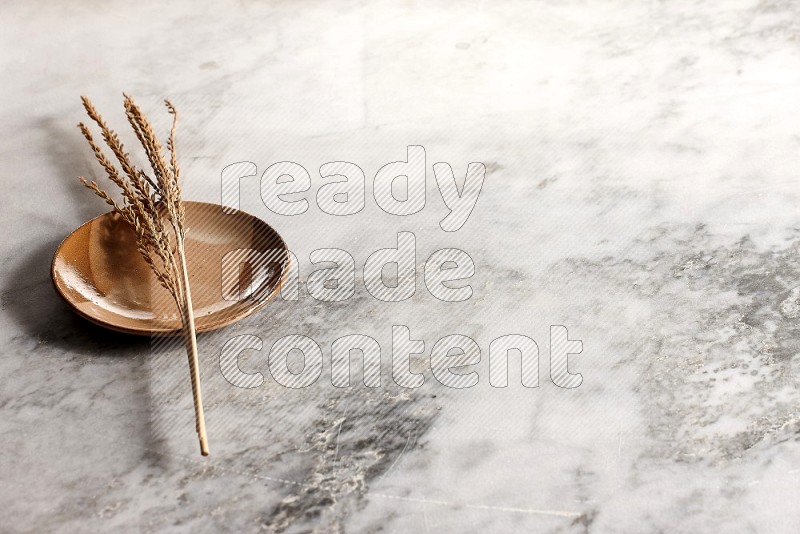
(236, 264)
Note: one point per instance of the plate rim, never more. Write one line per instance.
(167, 331)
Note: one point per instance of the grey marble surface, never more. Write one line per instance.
(642, 189)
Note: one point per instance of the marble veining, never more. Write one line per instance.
(641, 189)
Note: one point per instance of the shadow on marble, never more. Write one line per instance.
(68, 157)
(47, 327)
(32, 301)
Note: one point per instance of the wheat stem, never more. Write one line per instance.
(147, 202)
(190, 338)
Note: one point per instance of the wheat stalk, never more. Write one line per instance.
(153, 208)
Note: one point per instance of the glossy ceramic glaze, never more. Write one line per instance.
(101, 275)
